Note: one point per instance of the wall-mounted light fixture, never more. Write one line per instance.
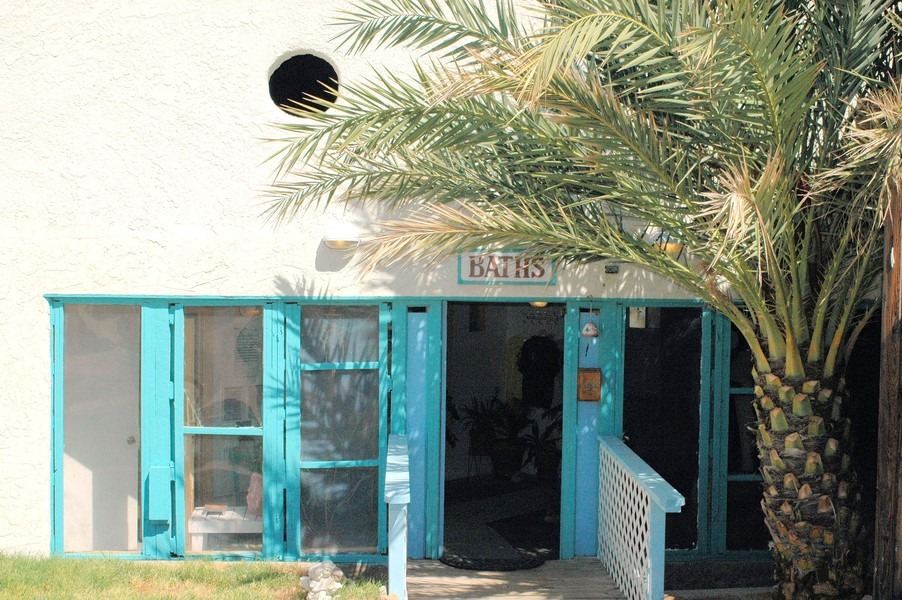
(538, 304)
(342, 237)
(334, 243)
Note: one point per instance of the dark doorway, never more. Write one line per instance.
(503, 434)
(661, 396)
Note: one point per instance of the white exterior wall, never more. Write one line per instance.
(132, 163)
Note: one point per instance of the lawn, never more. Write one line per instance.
(65, 578)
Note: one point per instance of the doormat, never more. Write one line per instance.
(531, 534)
(521, 563)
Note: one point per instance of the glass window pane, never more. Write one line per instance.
(102, 435)
(339, 510)
(742, 456)
(745, 523)
(333, 334)
(223, 366)
(224, 493)
(661, 397)
(340, 415)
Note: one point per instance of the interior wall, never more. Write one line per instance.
(484, 344)
(102, 430)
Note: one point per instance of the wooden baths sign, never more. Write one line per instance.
(503, 268)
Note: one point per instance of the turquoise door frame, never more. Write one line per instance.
(57, 353)
(157, 395)
(418, 411)
(579, 474)
(426, 336)
(163, 511)
(157, 421)
(417, 370)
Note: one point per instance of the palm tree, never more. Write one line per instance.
(759, 137)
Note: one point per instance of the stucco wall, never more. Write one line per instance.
(132, 163)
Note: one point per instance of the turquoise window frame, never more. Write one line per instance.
(271, 538)
(57, 354)
(163, 428)
(293, 464)
(721, 477)
(164, 329)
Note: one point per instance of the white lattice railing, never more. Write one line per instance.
(633, 502)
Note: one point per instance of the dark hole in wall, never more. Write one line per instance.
(302, 80)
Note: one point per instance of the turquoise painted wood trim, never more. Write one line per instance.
(288, 379)
(720, 433)
(276, 380)
(233, 431)
(342, 366)
(417, 431)
(613, 338)
(587, 466)
(385, 386)
(340, 464)
(156, 426)
(177, 531)
(57, 369)
(293, 415)
(159, 500)
(399, 368)
(705, 443)
(587, 427)
(568, 433)
(436, 336)
(367, 559)
(343, 300)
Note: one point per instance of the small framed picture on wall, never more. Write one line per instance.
(588, 385)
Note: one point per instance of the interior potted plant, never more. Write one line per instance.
(541, 449)
(483, 419)
(507, 450)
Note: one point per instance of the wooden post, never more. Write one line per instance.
(888, 534)
(397, 496)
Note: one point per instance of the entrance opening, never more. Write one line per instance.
(503, 434)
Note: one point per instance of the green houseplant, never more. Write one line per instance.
(508, 447)
(483, 419)
(541, 444)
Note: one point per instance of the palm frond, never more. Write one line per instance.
(739, 128)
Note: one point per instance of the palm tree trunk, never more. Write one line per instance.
(811, 504)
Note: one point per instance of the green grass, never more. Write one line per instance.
(64, 578)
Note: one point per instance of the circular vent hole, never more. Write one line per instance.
(303, 82)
